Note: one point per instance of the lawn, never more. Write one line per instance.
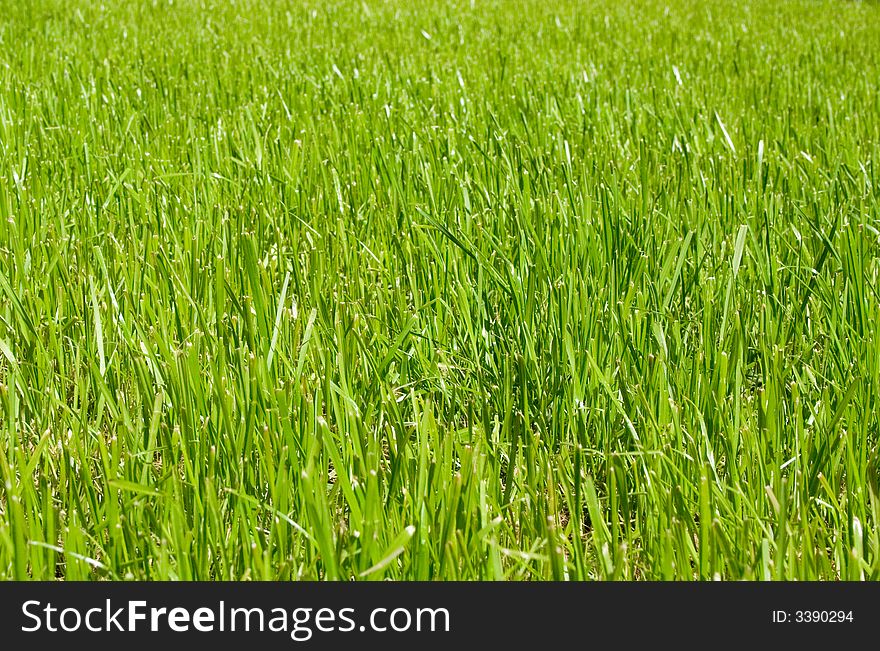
(466, 289)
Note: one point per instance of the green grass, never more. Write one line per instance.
(439, 290)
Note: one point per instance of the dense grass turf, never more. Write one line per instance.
(439, 290)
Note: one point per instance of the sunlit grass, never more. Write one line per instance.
(439, 290)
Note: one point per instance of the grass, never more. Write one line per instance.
(439, 290)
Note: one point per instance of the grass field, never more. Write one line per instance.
(439, 290)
